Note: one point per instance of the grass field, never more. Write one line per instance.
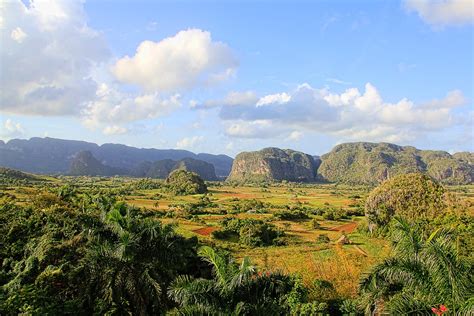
(342, 265)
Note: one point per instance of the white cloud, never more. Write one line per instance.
(188, 59)
(294, 136)
(445, 12)
(47, 55)
(350, 115)
(10, 129)
(112, 106)
(114, 130)
(189, 142)
(18, 35)
(279, 98)
(452, 99)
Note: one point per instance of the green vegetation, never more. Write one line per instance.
(413, 196)
(182, 182)
(98, 245)
(423, 271)
(371, 163)
(233, 290)
(250, 232)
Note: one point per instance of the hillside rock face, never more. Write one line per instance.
(162, 168)
(273, 164)
(85, 164)
(371, 163)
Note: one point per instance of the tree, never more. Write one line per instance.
(182, 182)
(134, 260)
(424, 271)
(234, 290)
(412, 195)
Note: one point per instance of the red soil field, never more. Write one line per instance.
(205, 231)
(348, 228)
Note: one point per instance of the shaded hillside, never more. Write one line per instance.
(85, 164)
(222, 163)
(371, 163)
(11, 174)
(54, 156)
(204, 169)
(162, 168)
(273, 164)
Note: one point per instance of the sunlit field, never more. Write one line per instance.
(302, 253)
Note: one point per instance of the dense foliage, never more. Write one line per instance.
(423, 272)
(70, 253)
(181, 182)
(250, 232)
(412, 195)
(233, 290)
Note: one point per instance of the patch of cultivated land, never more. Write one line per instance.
(342, 265)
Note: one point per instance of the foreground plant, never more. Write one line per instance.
(423, 272)
(234, 290)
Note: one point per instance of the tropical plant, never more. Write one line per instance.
(133, 260)
(233, 290)
(424, 271)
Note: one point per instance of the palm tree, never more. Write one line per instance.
(423, 272)
(234, 290)
(133, 259)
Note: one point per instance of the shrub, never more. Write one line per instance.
(322, 239)
(250, 232)
(291, 215)
(314, 224)
(412, 195)
(182, 182)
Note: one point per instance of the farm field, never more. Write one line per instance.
(301, 253)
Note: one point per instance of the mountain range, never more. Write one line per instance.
(354, 163)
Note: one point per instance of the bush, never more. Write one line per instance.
(350, 307)
(250, 232)
(314, 224)
(182, 182)
(291, 215)
(323, 239)
(412, 195)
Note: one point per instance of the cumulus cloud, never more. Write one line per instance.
(350, 115)
(47, 55)
(188, 59)
(111, 106)
(189, 142)
(54, 64)
(10, 129)
(445, 12)
(279, 98)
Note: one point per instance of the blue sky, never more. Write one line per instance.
(224, 77)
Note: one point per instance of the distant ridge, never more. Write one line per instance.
(54, 156)
(353, 163)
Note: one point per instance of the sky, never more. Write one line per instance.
(232, 76)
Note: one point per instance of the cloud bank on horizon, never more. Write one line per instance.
(55, 64)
